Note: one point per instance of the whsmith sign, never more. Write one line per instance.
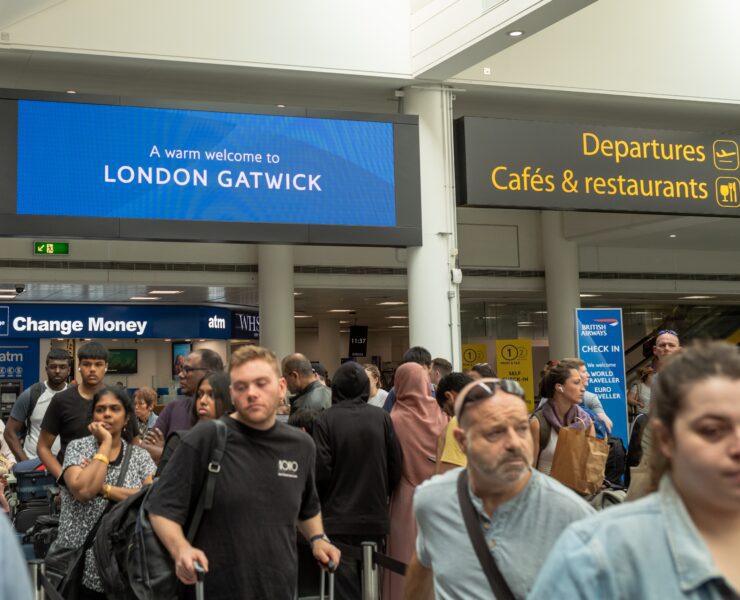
(117, 321)
(528, 164)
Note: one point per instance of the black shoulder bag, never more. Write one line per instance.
(150, 571)
(64, 566)
(501, 589)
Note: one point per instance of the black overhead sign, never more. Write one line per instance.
(529, 164)
(357, 341)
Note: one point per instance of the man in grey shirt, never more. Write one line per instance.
(521, 511)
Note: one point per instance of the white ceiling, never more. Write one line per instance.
(478, 95)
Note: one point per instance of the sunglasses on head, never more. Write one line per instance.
(669, 331)
(482, 390)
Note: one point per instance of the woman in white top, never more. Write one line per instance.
(377, 394)
(564, 387)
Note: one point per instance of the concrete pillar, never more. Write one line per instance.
(434, 301)
(329, 345)
(276, 302)
(561, 285)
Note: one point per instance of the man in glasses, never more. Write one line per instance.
(176, 416)
(520, 511)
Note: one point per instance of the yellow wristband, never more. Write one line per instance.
(102, 457)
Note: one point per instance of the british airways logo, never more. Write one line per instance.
(610, 322)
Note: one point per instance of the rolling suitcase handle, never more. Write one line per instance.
(331, 568)
(200, 574)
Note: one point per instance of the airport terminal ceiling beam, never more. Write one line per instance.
(611, 228)
(448, 36)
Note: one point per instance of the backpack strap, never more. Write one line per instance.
(501, 589)
(545, 430)
(36, 390)
(205, 500)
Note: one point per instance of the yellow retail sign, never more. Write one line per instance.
(473, 354)
(514, 361)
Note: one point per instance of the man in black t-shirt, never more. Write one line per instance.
(266, 487)
(69, 415)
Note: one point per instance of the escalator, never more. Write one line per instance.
(692, 323)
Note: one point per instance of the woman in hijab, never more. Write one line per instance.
(418, 421)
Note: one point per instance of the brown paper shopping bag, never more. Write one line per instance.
(579, 461)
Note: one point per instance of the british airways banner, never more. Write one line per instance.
(601, 346)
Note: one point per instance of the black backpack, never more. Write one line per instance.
(616, 461)
(131, 560)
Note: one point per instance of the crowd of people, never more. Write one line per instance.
(447, 472)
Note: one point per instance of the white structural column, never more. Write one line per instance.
(277, 305)
(561, 285)
(329, 340)
(434, 300)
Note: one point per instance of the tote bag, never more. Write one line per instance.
(580, 460)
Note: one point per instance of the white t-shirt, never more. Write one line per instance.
(32, 437)
(378, 399)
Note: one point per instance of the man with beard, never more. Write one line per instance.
(520, 511)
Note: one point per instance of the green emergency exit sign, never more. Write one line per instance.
(49, 248)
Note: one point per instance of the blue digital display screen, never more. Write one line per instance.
(87, 160)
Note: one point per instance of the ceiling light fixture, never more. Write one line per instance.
(7, 296)
(589, 295)
(302, 316)
(397, 317)
(696, 297)
(166, 292)
(672, 235)
(340, 310)
(399, 326)
(525, 323)
(344, 322)
(515, 33)
(280, 105)
(145, 298)
(8, 291)
(391, 303)
(71, 91)
(298, 293)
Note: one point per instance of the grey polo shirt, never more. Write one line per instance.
(520, 534)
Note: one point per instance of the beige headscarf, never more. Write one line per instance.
(418, 421)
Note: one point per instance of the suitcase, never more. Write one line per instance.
(28, 512)
(32, 484)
